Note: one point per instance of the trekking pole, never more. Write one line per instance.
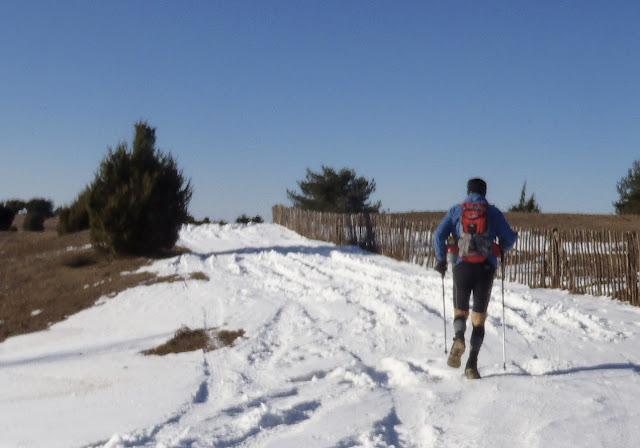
(452, 258)
(444, 317)
(504, 327)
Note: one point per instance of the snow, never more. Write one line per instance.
(77, 248)
(343, 348)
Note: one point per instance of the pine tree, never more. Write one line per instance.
(6, 217)
(40, 206)
(532, 206)
(16, 205)
(526, 205)
(34, 221)
(335, 191)
(523, 194)
(629, 190)
(243, 219)
(139, 198)
(75, 217)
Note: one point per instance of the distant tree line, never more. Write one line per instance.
(139, 198)
(244, 219)
(205, 220)
(37, 210)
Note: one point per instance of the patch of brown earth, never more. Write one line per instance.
(199, 276)
(45, 278)
(176, 278)
(188, 340)
(228, 337)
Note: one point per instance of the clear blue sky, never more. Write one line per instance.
(246, 95)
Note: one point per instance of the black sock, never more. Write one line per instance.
(472, 361)
(459, 326)
(477, 336)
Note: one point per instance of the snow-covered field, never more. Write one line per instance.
(343, 348)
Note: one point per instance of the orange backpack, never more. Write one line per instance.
(474, 245)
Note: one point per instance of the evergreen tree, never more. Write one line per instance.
(40, 206)
(532, 206)
(75, 217)
(34, 221)
(243, 219)
(335, 191)
(139, 198)
(6, 217)
(629, 190)
(16, 205)
(523, 198)
(526, 205)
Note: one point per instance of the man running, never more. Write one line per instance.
(474, 224)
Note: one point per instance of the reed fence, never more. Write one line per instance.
(585, 261)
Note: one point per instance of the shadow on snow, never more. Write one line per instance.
(607, 366)
(323, 250)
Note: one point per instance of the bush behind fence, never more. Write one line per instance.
(584, 261)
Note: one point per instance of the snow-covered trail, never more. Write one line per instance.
(343, 348)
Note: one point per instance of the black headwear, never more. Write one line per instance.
(477, 185)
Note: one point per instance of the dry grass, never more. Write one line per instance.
(173, 278)
(80, 260)
(188, 340)
(49, 224)
(45, 277)
(199, 276)
(228, 337)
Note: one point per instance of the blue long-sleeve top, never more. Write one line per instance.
(497, 227)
